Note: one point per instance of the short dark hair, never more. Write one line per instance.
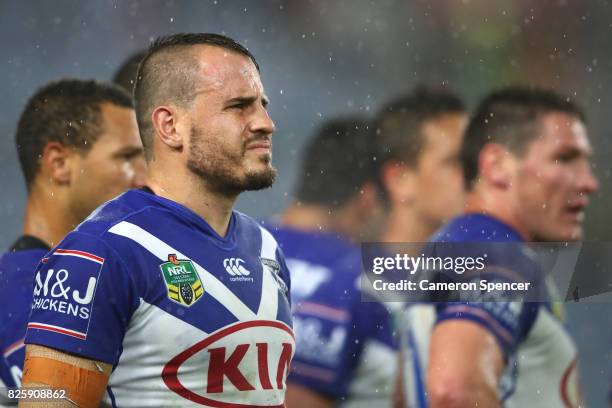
(337, 162)
(125, 76)
(510, 116)
(167, 74)
(399, 123)
(66, 111)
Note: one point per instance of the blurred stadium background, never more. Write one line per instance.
(322, 58)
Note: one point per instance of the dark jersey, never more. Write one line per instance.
(17, 267)
(346, 349)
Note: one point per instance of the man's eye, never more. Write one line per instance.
(130, 156)
(566, 158)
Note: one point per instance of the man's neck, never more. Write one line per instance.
(192, 192)
(404, 225)
(46, 218)
(307, 217)
(481, 201)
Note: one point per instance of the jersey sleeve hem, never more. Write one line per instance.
(504, 337)
(317, 379)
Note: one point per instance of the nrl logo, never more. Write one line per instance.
(182, 280)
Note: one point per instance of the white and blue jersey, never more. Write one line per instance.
(17, 267)
(185, 316)
(540, 356)
(346, 349)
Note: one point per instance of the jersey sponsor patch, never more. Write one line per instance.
(182, 281)
(66, 285)
(246, 361)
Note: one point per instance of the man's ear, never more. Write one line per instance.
(56, 163)
(399, 181)
(368, 198)
(165, 122)
(495, 165)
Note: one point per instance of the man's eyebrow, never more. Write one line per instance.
(130, 150)
(575, 151)
(247, 100)
(241, 99)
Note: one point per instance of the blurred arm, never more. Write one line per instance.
(465, 363)
(301, 397)
(84, 380)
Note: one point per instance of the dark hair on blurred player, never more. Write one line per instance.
(510, 117)
(338, 176)
(167, 75)
(336, 163)
(399, 124)
(336, 206)
(78, 147)
(125, 76)
(69, 112)
(418, 139)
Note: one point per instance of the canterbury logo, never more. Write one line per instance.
(233, 267)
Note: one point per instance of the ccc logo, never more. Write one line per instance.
(234, 267)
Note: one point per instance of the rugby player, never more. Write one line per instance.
(526, 165)
(78, 147)
(418, 140)
(184, 300)
(346, 351)
(125, 76)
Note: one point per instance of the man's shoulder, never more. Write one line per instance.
(17, 269)
(133, 206)
(315, 247)
(20, 262)
(475, 227)
(246, 224)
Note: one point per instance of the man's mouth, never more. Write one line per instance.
(260, 147)
(576, 210)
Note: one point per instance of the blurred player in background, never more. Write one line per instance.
(78, 147)
(183, 299)
(418, 141)
(125, 76)
(526, 164)
(345, 353)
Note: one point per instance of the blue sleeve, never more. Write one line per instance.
(508, 322)
(325, 354)
(505, 314)
(376, 323)
(83, 299)
(332, 325)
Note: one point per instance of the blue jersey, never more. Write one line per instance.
(185, 316)
(539, 354)
(17, 268)
(345, 347)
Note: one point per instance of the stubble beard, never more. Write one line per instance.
(220, 170)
